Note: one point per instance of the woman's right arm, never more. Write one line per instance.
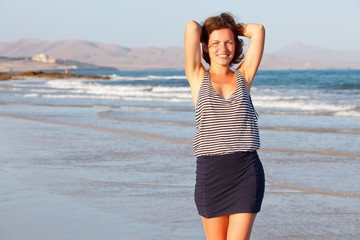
(193, 66)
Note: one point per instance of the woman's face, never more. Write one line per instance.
(221, 47)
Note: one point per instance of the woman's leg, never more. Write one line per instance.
(216, 228)
(240, 226)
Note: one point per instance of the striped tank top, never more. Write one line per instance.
(225, 125)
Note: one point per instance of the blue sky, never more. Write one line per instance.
(160, 23)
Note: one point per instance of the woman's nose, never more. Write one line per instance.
(223, 47)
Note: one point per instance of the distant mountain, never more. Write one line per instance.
(109, 55)
(296, 56)
(302, 56)
(308, 52)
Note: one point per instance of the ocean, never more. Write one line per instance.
(123, 146)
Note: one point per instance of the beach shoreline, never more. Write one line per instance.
(31, 191)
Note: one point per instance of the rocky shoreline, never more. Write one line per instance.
(49, 75)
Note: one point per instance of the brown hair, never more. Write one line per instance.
(224, 20)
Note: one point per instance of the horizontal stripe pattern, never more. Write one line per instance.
(225, 126)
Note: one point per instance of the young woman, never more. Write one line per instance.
(229, 175)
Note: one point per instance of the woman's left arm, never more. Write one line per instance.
(250, 65)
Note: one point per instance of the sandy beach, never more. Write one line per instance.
(80, 165)
(81, 199)
(32, 214)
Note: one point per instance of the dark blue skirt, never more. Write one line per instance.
(229, 184)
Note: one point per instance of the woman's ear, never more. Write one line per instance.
(205, 47)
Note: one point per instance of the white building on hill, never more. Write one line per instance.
(43, 58)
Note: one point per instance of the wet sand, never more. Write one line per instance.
(81, 173)
(33, 214)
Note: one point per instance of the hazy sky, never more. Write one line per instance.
(160, 23)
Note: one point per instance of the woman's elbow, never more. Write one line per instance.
(261, 29)
(190, 23)
(193, 25)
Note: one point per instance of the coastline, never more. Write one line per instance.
(47, 75)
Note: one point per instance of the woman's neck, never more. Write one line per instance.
(220, 70)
